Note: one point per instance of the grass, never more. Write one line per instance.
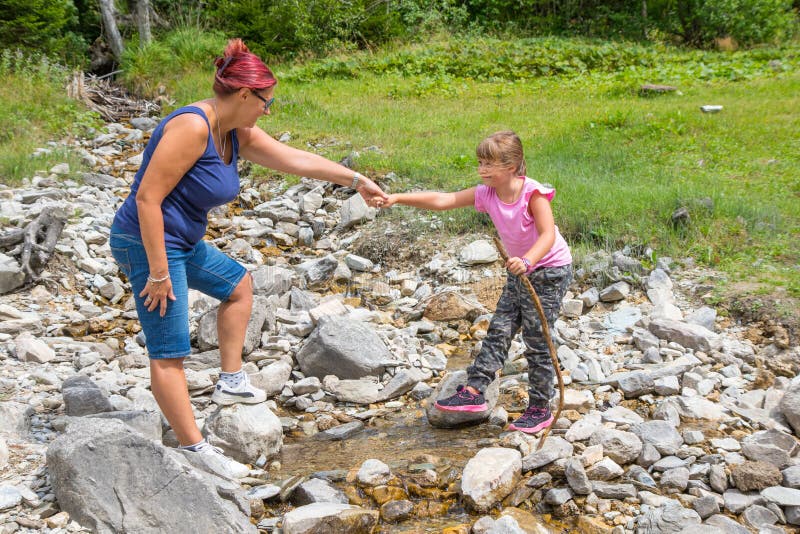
(35, 110)
(622, 162)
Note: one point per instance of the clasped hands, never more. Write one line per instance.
(371, 193)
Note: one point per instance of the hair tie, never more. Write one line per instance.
(224, 65)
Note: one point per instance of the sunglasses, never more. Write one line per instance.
(267, 103)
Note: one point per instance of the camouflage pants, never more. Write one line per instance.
(516, 309)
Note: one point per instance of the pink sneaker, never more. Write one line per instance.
(463, 401)
(533, 420)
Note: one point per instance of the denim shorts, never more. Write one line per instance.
(203, 268)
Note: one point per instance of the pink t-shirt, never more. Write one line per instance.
(516, 226)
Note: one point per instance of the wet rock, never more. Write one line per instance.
(340, 432)
(317, 490)
(344, 348)
(397, 511)
(490, 476)
(356, 391)
(103, 475)
(374, 473)
(749, 476)
(330, 517)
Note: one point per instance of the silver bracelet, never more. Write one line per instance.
(356, 177)
(157, 280)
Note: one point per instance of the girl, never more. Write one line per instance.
(520, 210)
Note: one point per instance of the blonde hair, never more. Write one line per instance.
(504, 148)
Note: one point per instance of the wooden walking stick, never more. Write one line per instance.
(548, 339)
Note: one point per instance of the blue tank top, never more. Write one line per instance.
(207, 184)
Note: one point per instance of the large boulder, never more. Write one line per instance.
(113, 480)
(344, 348)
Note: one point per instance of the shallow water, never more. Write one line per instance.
(398, 439)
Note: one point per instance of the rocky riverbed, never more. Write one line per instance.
(675, 419)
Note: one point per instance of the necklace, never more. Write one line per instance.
(222, 140)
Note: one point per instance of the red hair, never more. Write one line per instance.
(238, 67)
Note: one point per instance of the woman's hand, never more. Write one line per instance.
(156, 294)
(370, 191)
(516, 266)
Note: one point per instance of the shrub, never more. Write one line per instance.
(41, 25)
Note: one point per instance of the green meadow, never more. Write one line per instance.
(622, 160)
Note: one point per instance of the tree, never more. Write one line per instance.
(143, 21)
(110, 25)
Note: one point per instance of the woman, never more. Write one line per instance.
(189, 166)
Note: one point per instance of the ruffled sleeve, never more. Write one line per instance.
(532, 186)
(480, 198)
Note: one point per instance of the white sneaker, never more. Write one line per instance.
(243, 393)
(215, 460)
